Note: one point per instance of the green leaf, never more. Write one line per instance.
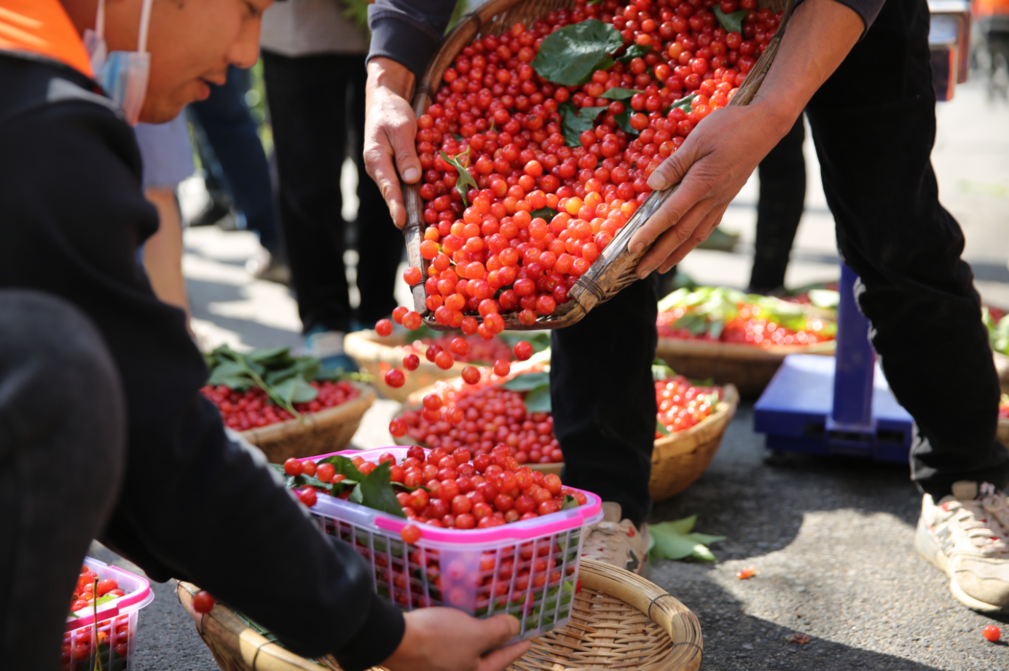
(673, 300)
(620, 94)
(569, 502)
(624, 121)
(274, 355)
(661, 428)
(733, 23)
(538, 400)
(344, 467)
(661, 370)
(376, 492)
(570, 55)
(465, 180)
(673, 540)
(576, 121)
(296, 390)
(544, 213)
(694, 323)
(683, 104)
(527, 381)
(634, 51)
(716, 327)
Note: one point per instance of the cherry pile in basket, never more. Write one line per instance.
(457, 490)
(77, 645)
(86, 590)
(534, 158)
(263, 387)
(720, 314)
(1003, 407)
(682, 405)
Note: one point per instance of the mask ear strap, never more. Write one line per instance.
(100, 20)
(145, 21)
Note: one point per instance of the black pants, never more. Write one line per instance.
(782, 198)
(317, 111)
(62, 456)
(873, 137)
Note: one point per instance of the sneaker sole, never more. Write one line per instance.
(930, 550)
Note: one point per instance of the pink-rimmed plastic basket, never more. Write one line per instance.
(528, 569)
(115, 636)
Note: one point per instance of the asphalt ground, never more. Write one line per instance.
(830, 538)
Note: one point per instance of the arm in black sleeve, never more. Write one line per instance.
(408, 32)
(194, 504)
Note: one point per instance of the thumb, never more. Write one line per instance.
(496, 631)
(406, 153)
(672, 170)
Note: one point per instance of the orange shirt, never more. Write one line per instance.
(42, 27)
(982, 8)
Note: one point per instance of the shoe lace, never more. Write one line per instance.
(985, 519)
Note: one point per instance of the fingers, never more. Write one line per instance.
(700, 234)
(498, 630)
(671, 171)
(673, 238)
(503, 657)
(402, 137)
(378, 162)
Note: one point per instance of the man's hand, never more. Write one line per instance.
(445, 639)
(710, 168)
(722, 151)
(390, 128)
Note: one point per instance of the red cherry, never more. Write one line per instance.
(991, 632)
(523, 350)
(202, 602)
(397, 427)
(411, 362)
(502, 368)
(444, 360)
(395, 378)
(293, 467)
(410, 534)
(383, 327)
(399, 313)
(471, 374)
(307, 496)
(412, 275)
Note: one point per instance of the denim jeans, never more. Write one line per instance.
(237, 160)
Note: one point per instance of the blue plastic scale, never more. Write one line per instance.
(840, 405)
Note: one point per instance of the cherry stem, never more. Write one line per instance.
(98, 653)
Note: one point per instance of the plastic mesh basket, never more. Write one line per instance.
(528, 569)
(112, 635)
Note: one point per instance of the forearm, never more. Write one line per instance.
(389, 74)
(818, 38)
(163, 251)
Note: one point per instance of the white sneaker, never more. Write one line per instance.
(964, 535)
(618, 543)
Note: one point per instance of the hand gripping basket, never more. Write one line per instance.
(619, 621)
(478, 571)
(615, 267)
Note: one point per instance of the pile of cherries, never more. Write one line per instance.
(682, 405)
(498, 250)
(114, 633)
(476, 350)
(457, 490)
(747, 328)
(252, 409)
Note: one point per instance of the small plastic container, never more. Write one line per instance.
(115, 636)
(527, 569)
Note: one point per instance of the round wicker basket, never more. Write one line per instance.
(678, 459)
(376, 355)
(747, 367)
(328, 430)
(614, 269)
(620, 620)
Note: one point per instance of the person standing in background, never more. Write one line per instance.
(236, 164)
(313, 67)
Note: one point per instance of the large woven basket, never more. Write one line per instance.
(620, 621)
(328, 430)
(614, 269)
(678, 459)
(748, 367)
(376, 355)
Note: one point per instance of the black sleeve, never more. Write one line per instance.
(408, 32)
(194, 504)
(867, 10)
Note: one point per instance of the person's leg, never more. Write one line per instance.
(782, 198)
(379, 242)
(603, 398)
(62, 434)
(306, 97)
(232, 135)
(919, 296)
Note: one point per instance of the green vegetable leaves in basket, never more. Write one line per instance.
(571, 54)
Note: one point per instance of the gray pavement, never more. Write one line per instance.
(831, 539)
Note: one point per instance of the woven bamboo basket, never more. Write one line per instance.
(615, 267)
(376, 355)
(678, 460)
(620, 620)
(328, 430)
(747, 367)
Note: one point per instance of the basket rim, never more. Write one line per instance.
(316, 420)
(739, 351)
(222, 627)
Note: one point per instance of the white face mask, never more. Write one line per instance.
(121, 74)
